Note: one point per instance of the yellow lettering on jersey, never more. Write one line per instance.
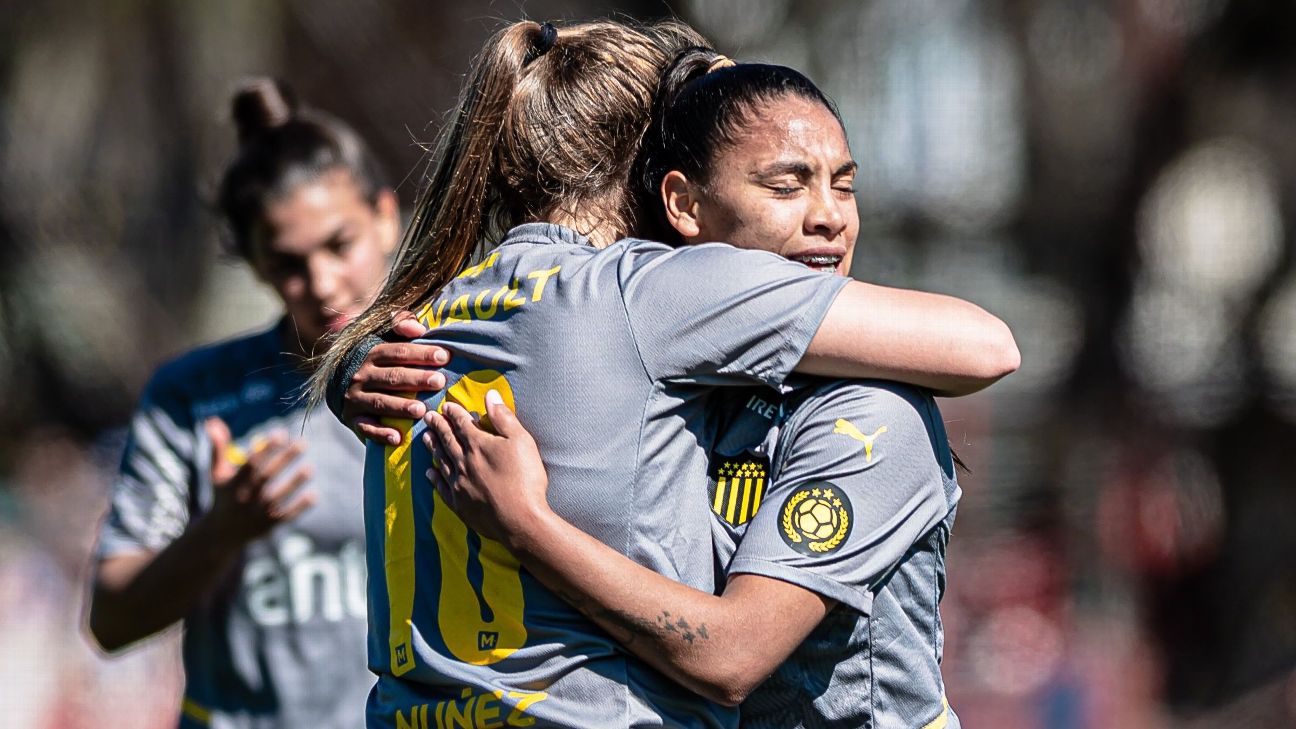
(412, 722)
(494, 304)
(459, 309)
(487, 715)
(519, 716)
(511, 300)
(475, 271)
(541, 278)
(398, 548)
(457, 717)
(430, 320)
(474, 711)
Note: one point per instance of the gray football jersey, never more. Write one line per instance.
(281, 641)
(856, 498)
(605, 355)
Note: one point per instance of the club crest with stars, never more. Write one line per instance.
(738, 485)
(816, 518)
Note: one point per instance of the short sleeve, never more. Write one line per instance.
(149, 502)
(714, 314)
(349, 366)
(858, 481)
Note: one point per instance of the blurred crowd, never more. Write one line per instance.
(1116, 179)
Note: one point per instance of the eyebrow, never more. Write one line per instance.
(801, 169)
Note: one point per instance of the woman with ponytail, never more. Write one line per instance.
(220, 518)
(607, 348)
(832, 500)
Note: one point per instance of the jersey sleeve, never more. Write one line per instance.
(149, 502)
(717, 315)
(858, 481)
(341, 379)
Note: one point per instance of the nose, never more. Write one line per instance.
(322, 277)
(825, 217)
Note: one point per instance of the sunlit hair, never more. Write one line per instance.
(282, 146)
(546, 126)
(702, 107)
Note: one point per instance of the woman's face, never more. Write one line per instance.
(323, 248)
(785, 186)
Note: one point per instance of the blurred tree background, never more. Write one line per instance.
(1117, 179)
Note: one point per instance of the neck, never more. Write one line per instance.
(298, 349)
(600, 232)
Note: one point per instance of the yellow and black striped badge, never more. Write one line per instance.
(738, 485)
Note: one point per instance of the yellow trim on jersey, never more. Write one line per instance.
(398, 547)
(940, 721)
(195, 711)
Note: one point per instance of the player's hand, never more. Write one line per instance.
(251, 499)
(389, 373)
(494, 481)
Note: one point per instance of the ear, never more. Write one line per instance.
(388, 211)
(680, 197)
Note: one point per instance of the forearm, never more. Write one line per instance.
(938, 342)
(701, 641)
(137, 596)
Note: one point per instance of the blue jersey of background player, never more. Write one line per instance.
(216, 518)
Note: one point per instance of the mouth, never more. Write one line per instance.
(820, 261)
(335, 322)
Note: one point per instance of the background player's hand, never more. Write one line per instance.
(389, 370)
(251, 498)
(495, 482)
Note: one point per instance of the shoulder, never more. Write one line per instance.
(213, 370)
(640, 253)
(816, 400)
(862, 425)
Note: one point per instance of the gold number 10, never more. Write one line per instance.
(480, 619)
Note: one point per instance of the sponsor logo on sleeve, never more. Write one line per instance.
(816, 518)
(847, 428)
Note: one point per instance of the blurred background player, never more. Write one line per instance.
(219, 518)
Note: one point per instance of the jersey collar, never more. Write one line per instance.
(544, 233)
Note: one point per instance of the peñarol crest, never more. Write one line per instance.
(816, 518)
(737, 486)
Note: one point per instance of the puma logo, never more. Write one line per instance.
(846, 427)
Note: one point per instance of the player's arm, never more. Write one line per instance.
(140, 590)
(702, 641)
(734, 316)
(950, 346)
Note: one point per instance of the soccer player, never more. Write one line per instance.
(600, 343)
(832, 502)
(219, 518)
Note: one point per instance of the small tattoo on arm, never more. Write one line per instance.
(633, 627)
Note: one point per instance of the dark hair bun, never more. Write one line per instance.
(261, 104)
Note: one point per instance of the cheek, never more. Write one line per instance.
(292, 289)
(752, 224)
(366, 267)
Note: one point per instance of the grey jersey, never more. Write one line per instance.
(604, 355)
(857, 505)
(280, 641)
